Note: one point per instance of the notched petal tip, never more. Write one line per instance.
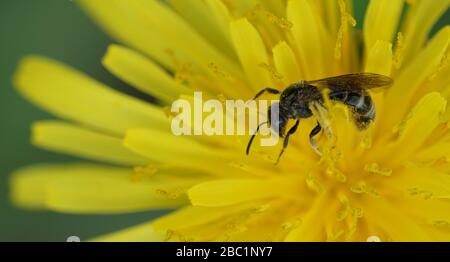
(26, 68)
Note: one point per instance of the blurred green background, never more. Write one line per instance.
(58, 29)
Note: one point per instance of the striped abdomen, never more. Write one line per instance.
(360, 103)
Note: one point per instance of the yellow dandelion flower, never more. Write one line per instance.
(391, 182)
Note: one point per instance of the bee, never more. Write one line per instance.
(297, 101)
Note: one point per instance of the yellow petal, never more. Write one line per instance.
(399, 226)
(418, 126)
(71, 139)
(412, 77)
(252, 53)
(192, 216)
(123, 26)
(239, 8)
(234, 191)
(381, 21)
(286, 63)
(139, 233)
(208, 23)
(72, 95)
(221, 15)
(142, 73)
(429, 209)
(167, 31)
(420, 19)
(156, 17)
(275, 6)
(312, 41)
(308, 230)
(331, 11)
(440, 80)
(276, 217)
(422, 183)
(379, 59)
(28, 190)
(184, 151)
(435, 151)
(89, 189)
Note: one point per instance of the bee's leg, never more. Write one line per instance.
(253, 137)
(286, 139)
(313, 142)
(268, 90)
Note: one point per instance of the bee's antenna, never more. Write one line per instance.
(253, 137)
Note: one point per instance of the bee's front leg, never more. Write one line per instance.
(286, 139)
(312, 141)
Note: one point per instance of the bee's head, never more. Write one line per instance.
(277, 120)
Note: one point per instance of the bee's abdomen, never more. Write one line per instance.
(360, 103)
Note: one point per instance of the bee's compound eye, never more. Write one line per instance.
(273, 115)
(275, 125)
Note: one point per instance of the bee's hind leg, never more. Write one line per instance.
(312, 141)
(286, 139)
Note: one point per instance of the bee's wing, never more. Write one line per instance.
(353, 82)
